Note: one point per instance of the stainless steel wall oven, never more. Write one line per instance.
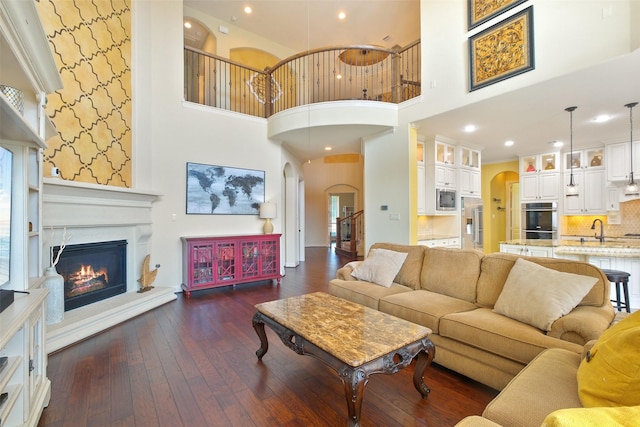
(540, 220)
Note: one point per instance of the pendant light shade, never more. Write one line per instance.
(632, 188)
(572, 188)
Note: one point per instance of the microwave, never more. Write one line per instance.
(445, 199)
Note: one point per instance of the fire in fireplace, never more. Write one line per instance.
(92, 272)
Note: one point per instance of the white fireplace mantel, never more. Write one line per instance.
(95, 213)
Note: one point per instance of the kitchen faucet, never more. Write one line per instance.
(593, 227)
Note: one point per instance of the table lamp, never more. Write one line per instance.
(268, 211)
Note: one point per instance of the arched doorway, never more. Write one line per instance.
(504, 211)
(198, 36)
(342, 200)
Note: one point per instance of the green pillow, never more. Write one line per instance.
(610, 373)
(593, 417)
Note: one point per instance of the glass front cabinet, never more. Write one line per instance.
(210, 262)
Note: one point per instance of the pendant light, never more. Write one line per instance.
(572, 188)
(632, 187)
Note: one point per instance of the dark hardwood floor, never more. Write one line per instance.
(192, 363)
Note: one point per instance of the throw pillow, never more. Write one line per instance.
(610, 374)
(380, 267)
(538, 296)
(593, 417)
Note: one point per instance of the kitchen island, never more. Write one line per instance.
(615, 253)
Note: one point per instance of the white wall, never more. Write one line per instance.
(386, 182)
(170, 133)
(569, 35)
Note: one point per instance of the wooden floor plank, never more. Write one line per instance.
(192, 363)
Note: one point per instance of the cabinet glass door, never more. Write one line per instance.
(595, 158)
(269, 257)
(202, 263)
(572, 160)
(226, 262)
(250, 256)
(444, 153)
(549, 162)
(529, 164)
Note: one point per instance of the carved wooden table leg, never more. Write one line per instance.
(258, 326)
(355, 359)
(423, 360)
(354, 381)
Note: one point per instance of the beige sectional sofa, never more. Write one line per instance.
(454, 292)
(559, 388)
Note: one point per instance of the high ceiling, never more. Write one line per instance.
(309, 24)
(532, 117)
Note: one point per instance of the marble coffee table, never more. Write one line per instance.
(354, 340)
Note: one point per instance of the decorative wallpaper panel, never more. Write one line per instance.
(91, 44)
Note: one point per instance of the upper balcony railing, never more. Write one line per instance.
(328, 74)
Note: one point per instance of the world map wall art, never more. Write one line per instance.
(502, 51)
(222, 190)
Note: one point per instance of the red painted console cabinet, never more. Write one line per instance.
(208, 262)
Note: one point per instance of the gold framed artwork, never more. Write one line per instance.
(480, 11)
(502, 51)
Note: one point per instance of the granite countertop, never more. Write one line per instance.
(612, 246)
(435, 236)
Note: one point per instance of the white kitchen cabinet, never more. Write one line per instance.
(470, 183)
(613, 198)
(445, 153)
(420, 151)
(440, 172)
(539, 186)
(548, 162)
(618, 162)
(469, 158)
(539, 177)
(590, 199)
(453, 242)
(469, 172)
(584, 159)
(527, 250)
(445, 177)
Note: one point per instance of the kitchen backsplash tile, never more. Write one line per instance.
(630, 222)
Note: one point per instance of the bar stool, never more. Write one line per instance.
(620, 278)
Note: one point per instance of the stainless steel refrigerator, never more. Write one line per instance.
(472, 231)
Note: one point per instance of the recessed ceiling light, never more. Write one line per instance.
(338, 76)
(187, 24)
(327, 148)
(556, 143)
(247, 10)
(470, 128)
(342, 15)
(508, 143)
(602, 118)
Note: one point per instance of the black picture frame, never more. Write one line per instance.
(502, 51)
(481, 11)
(223, 190)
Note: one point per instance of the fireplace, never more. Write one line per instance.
(92, 272)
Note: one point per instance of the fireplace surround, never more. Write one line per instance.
(89, 214)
